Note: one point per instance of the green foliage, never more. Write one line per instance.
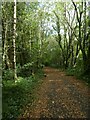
(37, 44)
(17, 94)
(28, 69)
(53, 57)
(25, 70)
(78, 71)
(7, 74)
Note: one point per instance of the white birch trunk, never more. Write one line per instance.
(14, 38)
(5, 49)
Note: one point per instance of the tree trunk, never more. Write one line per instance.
(77, 52)
(4, 46)
(14, 45)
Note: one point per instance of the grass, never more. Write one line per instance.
(18, 94)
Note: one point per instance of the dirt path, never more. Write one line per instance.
(60, 96)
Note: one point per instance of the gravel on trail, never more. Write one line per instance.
(59, 96)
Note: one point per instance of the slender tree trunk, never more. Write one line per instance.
(87, 68)
(14, 44)
(4, 46)
(77, 52)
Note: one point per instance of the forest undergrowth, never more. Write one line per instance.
(17, 94)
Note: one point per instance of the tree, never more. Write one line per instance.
(14, 44)
(82, 36)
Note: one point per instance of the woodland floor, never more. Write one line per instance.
(59, 96)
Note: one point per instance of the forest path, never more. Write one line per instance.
(59, 96)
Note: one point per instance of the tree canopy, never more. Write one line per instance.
(38, 34)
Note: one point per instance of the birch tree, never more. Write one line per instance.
(14, 45)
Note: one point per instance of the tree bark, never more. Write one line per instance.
(14, 44)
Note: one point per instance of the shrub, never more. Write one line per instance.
(25, 70)
(18, 94)
(7, 74)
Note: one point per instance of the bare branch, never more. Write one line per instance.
(75, 10)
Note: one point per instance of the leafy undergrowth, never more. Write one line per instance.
(18, 94)
(79, 73)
